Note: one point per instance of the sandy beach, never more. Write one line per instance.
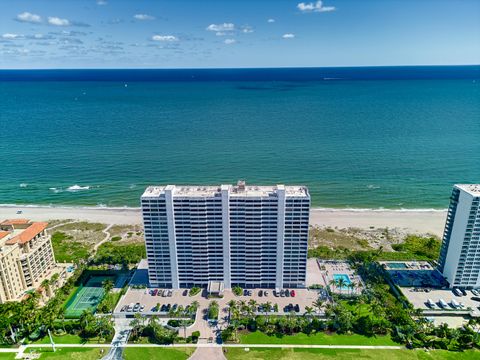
(413, 221)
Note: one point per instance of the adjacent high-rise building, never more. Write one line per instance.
(26, 257)
(251, 236)
(460, 253)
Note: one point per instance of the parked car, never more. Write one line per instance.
(136, 307)
(245, 292)
(292, 293)
(265, 293)
(475, 292)
(165, 293)
(276, 293)
(282, 293)
(124, 307)
(464, 293)
(163, 308)
(170, 293)
(142, 308)
(174, 307)
(260, 293)
(250, 292)
(457, 291)
(168, 307)
(160, 292)
(130, 307)
(297, 308)
(154, 292)
(287, 293)
(185, 292)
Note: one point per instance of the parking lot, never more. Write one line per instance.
(419, 299)
(303, 298)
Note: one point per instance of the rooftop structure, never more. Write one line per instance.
(215, 191)
(472, 189)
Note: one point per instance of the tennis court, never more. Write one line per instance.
(87, 296)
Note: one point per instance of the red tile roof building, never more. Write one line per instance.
(26, 257)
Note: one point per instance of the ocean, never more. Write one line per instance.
(364, 138)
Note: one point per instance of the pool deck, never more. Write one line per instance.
(331, 268)
(407, 265)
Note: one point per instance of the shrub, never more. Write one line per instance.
(112, 254)
(194, 291)
(237, 290)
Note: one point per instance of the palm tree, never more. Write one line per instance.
(184, 323)
(267, 307)
(253, 306)
(54, 280)
(194, 306)
(333, 283)
(107, 285)
(61, 316)
(352, 287)
(308, 312)
(86, 318)
(341, 283)
(232, 304)
(319, 304)
(243, 307)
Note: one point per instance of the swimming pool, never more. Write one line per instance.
(397, 265)
(346, 280)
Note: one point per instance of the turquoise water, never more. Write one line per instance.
(398, 266)
(345, 278)
(356, 144)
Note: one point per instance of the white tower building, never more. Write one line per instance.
(251, 236)
(459, 258)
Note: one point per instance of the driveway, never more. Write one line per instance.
(210, 353)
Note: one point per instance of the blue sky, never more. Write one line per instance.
(247, 33)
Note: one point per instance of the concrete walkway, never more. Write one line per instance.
(107, 237)
(210, 353)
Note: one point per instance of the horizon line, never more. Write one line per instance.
(239, 68)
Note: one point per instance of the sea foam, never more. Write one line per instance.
(77, 188)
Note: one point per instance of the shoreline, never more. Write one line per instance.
(419, 221)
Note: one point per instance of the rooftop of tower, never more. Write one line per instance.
(472, 189)
(239, 190)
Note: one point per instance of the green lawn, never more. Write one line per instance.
(7, 356)
(66, 339)
(157, 353)
(318, 338)
(345, 354)
(72, 353)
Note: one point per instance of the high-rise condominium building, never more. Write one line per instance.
(460, 254)
(26, 257)
(251, 236)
